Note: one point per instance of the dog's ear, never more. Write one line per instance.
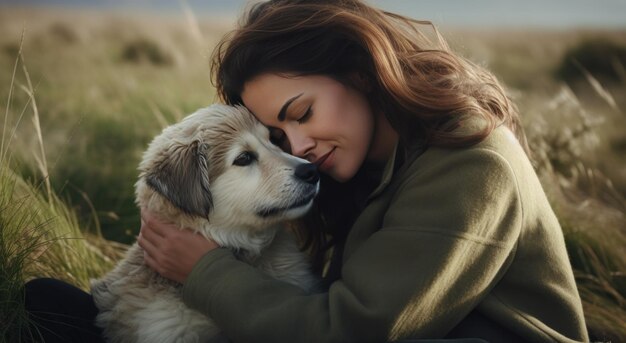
(183, 178)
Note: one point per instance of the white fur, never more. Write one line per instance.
(138, 305)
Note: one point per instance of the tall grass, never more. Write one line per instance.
(591, 211)
(39, 234)
(39, 237)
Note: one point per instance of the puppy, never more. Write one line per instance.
(218, 174)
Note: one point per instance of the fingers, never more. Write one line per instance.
(147, 245)
(151, 242)
(154, 233)
(154, 225)
(150, 231)
(163, 268)
(153, 257)
(168, 250)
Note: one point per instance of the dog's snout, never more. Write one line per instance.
(307, 172)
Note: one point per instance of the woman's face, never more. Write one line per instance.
(316, 118)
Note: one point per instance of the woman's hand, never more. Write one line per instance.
(170, 251)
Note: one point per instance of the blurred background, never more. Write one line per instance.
(85, 85)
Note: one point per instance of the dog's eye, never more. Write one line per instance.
(244, 159)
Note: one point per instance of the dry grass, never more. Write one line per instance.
(39, 234)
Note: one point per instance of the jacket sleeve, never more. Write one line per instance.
(447, 237)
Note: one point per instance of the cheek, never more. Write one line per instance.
(357, 122)
(233, 190)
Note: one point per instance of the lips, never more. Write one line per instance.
(320, 161)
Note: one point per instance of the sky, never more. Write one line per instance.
(476, 13)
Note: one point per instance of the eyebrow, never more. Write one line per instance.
(283, 110)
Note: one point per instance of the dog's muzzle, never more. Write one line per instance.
(309, 177)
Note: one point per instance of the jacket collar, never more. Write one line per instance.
(400, 159)
(387, 173)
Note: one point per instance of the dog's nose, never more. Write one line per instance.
(307, 172)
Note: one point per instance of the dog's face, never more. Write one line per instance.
(219, 164)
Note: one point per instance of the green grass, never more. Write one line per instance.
(40, 236)
(104, 85)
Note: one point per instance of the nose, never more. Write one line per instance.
(299, 143)
(307, 172)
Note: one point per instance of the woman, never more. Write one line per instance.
(437, 222)
(431, 222)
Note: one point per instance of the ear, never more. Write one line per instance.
(182, 177)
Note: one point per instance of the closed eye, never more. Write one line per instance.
(307, 114)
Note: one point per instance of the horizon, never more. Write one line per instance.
(556, 14)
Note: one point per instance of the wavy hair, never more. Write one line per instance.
(426, 91)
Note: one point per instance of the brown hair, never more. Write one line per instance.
(423, 88)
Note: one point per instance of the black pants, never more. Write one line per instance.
(61, 312)
(64, 313)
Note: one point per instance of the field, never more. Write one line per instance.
(83, 93)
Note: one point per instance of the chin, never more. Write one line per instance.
(344, 169)
(342, 176)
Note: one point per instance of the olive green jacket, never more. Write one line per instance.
(454, 243)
